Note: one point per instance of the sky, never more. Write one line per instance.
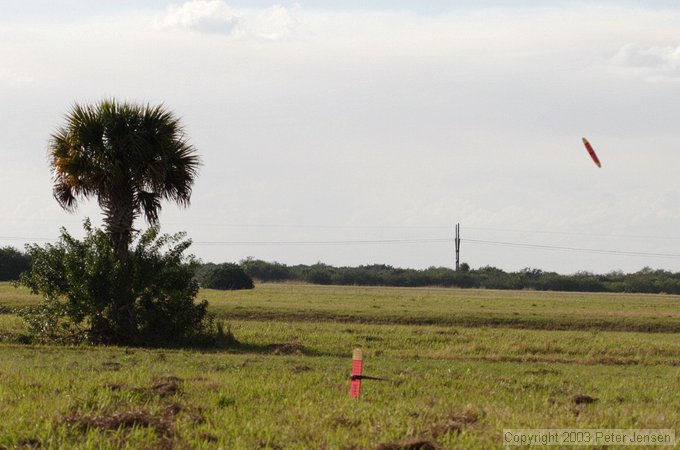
(361, 132)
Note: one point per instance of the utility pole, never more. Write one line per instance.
(457, 241)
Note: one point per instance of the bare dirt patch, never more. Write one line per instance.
(455, 423)
(162, 419)
(29, 443)
(116, 386)
(344, 422)
(208, 437)
(270, 445)
(580, 402)
(410, 444)
(163, 423)
(162, 387)
(582, 399)
(543, 371)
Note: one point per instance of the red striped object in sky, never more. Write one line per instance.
(591, 152)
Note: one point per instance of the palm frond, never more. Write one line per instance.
(129, 156)
(150, 205)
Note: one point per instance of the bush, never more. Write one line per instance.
(86, 291)
(226, 277)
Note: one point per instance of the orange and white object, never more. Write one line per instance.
(357, 370)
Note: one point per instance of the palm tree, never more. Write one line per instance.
(129, 157)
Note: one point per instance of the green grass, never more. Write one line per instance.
(464, 343)
(286, 384)
(464, 307)
(12, 297)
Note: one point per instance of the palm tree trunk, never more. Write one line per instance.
(119, 217)
(121, 245)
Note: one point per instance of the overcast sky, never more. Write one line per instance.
(360, 132)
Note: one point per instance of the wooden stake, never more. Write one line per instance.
(357, 370)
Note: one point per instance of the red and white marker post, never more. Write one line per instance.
(357, 370)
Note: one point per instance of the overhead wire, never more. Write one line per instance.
(339, 242)
(573, 249)
(23, 238)
(577, 233)
(410, 241)
(396, 227)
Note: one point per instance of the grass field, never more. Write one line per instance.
(461, 365)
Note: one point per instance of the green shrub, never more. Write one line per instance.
(226, 276)
(87, 292)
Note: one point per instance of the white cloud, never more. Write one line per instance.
(215, 16)
(663, 60)
(210, 16)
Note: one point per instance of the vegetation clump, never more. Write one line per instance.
(81, 282)
(227, 277)
(646, 280)
(104, 289)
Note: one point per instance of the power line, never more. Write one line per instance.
(343, 242)
(268, 225)
(317, 226)
(20, 238)
(573, 249)
(575, 233)
(382, 227)
(439, 240)
(403, 241)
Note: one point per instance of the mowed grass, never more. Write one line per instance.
(285, 385)
(465, 307)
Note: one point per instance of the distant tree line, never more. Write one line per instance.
(646, 280)
(240, 276)
(13, 263)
